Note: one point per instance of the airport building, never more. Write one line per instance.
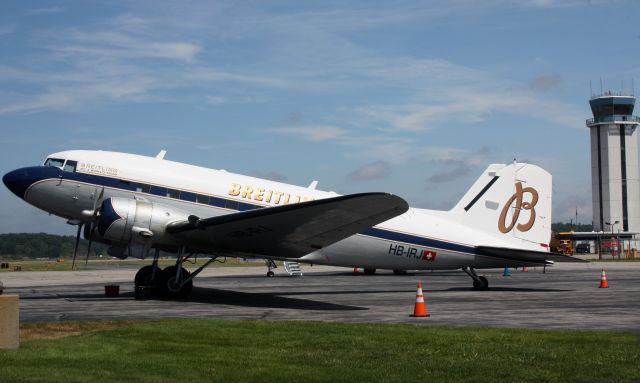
(615, 180)
(614, 163)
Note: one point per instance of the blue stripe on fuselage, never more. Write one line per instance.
(417, 240)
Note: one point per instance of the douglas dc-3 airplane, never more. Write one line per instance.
(136, 203)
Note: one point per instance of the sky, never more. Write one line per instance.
(410, 97)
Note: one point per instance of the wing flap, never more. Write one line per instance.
(528, 256)
(290, 231)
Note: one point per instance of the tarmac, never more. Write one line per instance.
(566, 296)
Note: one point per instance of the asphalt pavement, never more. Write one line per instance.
(566, 296)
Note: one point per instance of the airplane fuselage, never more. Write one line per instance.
(417, 239)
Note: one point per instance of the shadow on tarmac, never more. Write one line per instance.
(513, 289)
(218, 297)
(273, 300)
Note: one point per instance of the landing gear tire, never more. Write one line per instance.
(369, 271)
(399, 272)
(170, 288)
(270, 274)
(481, 284)
(144, 285)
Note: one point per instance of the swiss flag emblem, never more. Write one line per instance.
(428, 255)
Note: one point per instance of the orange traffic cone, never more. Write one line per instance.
(603, 281)
(420, 310)
(355, 269)
(525, 269)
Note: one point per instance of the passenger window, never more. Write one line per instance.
(54, 162)
(157, 190)
(143, 188)
(204, 199)
(215, 201)
(187, 196)
(171, 193)
(233, 205)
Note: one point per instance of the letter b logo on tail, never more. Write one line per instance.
(520, 205)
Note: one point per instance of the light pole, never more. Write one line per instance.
(600, 245)
(612, 224)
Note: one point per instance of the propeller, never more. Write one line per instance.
(94, 219)
(86, 261)
(75, 250)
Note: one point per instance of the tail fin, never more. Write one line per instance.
(512, 202)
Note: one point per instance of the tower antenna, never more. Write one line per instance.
(601, 87)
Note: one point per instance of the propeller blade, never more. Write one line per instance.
(98, 199)
(75, 250)
(97, 203)
(86, 261)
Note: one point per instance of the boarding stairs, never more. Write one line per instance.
(293, 268)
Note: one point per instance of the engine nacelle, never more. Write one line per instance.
(134, 221)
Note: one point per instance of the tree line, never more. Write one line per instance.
(42, 245)
(570, 226)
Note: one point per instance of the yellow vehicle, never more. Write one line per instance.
(565, 245)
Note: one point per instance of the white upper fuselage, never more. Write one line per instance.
(418, 239)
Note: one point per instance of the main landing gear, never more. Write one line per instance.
(271, 264)
(174, 282)
(479, 282)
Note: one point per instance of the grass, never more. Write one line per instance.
(259, 351)
(53, 265)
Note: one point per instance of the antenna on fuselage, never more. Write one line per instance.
(160, 155)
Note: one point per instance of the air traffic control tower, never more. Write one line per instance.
(614, 163)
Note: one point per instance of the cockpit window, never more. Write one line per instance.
(54, 162)
(70, 166)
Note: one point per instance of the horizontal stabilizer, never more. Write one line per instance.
(527, 256)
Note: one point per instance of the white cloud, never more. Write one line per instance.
(45, 10)
(48, 101)
(564, 3)
(375, 170)
(311, 132)
(565, 208)
(217, 100)
(470, 105)
(545, 83)
(6, 30)
(114, 44)
(449, 175)
(209, 74)
(270, 175)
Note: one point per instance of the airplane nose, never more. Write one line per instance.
(18, 181)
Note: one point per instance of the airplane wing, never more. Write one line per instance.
(528, 256)
(290, 231)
